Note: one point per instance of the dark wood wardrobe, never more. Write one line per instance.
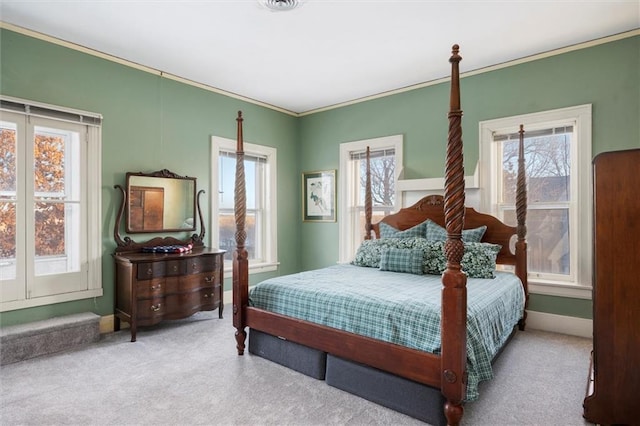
(613, 391)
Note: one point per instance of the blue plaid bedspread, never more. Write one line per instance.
(399, 308)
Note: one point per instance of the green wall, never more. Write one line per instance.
(606, 75)
(149, 123)
(152, 123)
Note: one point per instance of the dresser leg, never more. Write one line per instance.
(220, 307)
(133, 331)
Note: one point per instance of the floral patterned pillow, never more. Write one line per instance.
(478, 261)
(370, 252)
(436, 232)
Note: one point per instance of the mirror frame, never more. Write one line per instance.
(160, 174)
(126, 244)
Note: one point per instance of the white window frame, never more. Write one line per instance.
(28, 290)
(581, 204)
(348, 197)
(269, 231)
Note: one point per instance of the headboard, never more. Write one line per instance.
(432, 207)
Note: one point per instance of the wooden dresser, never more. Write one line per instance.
(613, 391)
(152, 287)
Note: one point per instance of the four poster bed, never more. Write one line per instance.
(403, 325)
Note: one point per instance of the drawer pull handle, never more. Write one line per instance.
(155, 308)
(155, 287)
(175, 268)
(206, 295)
(149, 271)
(194, 265)
(209, 279)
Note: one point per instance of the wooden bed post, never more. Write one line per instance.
(454, 292)
(521, 228)
(367, 198)
(240, 257)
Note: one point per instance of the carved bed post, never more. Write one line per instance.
(240, 257)
(521, 228)
(454, 293)
(367, 199)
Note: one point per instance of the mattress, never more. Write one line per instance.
(399, 308)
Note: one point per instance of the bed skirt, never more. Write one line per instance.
(405, 396)
(305, 360)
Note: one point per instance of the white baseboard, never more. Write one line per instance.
(227, 297)
(106, 324)
(573, 326)
(535, 320)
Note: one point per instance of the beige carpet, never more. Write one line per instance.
(187, 372)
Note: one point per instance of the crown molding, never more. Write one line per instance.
(102, 55)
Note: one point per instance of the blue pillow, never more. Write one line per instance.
(402, 260)
(436, 232)
(388, 231)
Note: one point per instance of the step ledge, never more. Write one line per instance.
(45, 326)
(25, 341)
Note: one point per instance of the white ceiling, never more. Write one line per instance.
(323, 52)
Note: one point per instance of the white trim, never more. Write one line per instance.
(139, 67)
(561, 290)
(543, 55)
(270, 235)
(87, 281)
(83, 49)
(255, 268)
(413, 190)
(581, 178)
(50, 300)
(573, 326)
(227, 297)
(346, 246)
(78, 112)
(434, 184)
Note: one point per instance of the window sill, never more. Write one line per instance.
(560, 289)
(256, 268)
(48, 300)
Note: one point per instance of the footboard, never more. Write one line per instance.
(413, 364)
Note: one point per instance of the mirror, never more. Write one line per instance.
(160, 202)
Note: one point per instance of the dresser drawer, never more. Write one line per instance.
(175, 267)
(151, 308)
(179, 305)
(189, 283)
(149, 270)
(150, 288)
(201, 264)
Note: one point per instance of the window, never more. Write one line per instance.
(50, 245)
(557, 151)
(386, 163)
(261, 219)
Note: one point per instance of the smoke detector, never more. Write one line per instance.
(280, 5)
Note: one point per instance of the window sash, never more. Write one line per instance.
(579, 205)
(351, 203)
(538, 266)
(36, 278)
(261, 203)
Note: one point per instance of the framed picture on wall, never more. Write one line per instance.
(319, 196)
